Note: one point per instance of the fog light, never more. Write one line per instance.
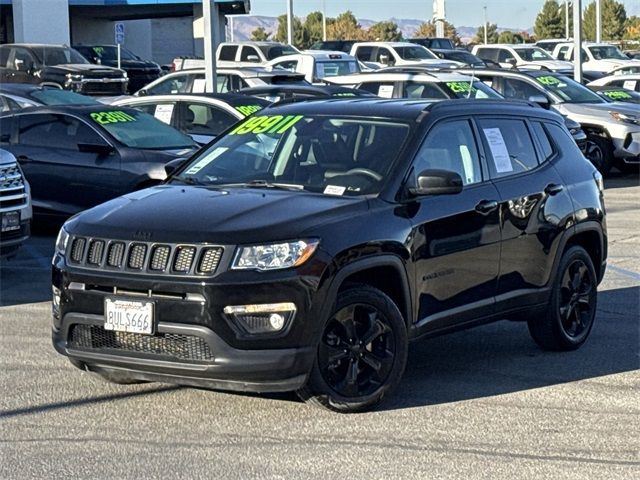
(263, 318)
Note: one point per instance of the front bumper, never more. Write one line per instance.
(194, 342)
(626, 143)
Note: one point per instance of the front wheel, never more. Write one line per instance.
(362, 353)
(572, 306)
(600, 153)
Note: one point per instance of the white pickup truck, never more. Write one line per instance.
(316, 65)
(596, 57)
(239, 54)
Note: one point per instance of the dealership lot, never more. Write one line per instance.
(484, 402)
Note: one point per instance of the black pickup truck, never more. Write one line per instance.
(60, 66)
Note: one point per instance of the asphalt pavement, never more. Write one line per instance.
(483, 403)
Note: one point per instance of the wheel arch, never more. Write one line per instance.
(589, 236)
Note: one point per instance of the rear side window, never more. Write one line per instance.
(543, 139)
(202, 119)
(382, 89)
(488, 54)
(423, 90)
(55, 131)
(562, 139)
(509, 146)
(249, 52)
(228, 52)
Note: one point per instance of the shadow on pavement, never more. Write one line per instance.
(621, 180)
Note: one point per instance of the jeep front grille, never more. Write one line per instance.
(144, 257)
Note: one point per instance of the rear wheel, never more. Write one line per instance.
(362, 353)
(572, 306)
(599, 152)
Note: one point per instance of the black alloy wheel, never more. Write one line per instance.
(362, 352)
(572, 306)
(598, 151)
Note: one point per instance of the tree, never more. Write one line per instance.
(632, 28)
(313, 26)
(509, 37)
(260, 35)
(550, 21)
(492, 34)
(614, 17)
(300, 35)
(384, 32)
(345, 27)
(428, 29)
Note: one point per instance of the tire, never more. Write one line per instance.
(115, 376)
(362, 353)
(600, 153)
(628, 168)
(572, 306)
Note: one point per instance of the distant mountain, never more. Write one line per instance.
(243, 26)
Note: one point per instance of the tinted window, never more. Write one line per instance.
(59, 55)
(333, 68)
(464, 89)
(228, 52)
(509, 146)
(519, 89)
(175, 84)
(6, 128)
(415, 53)
(247, 52)
(568, 90)
(533, 54)
(563, 140)
(451, 146)
(4, 56)
(288, 65)
(382, 89)
(423, 90)
(488, 54)
(205, 119)
(22, 60)
(504, 56)
(384, 52)
(364, 53)
(55, 131)
(55, 96)
(543, 138)
(277, 51)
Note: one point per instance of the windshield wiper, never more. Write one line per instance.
(266, 184)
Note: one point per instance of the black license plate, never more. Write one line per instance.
(10, 221)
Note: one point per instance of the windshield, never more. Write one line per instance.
(467, 90)
(608, 51)
(333, 68)
(569, 91)
(140, 130)
(59, 55)
(277, 51)
(533, 54)
(416, 52)
(620, 95)
(109, 53)
(330, 155)
(55, 96)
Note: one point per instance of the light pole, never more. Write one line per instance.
(290, 22)
(598, 22)
(577, 40)
(485, 24)
(324, 21)
(566, 19)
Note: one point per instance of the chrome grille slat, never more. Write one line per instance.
(144, 257)
(12, 188)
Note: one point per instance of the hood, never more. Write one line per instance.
(86, 68)
(226, 216)
(586, 112)
(554, 65)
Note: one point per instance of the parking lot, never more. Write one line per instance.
(485, 403)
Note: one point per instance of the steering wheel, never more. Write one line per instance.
(365, 172)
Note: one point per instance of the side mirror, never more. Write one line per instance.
(98, 148)
(511, 61)
(540, 100)
(385, 60)
(141, 93)
(173, 165)
(436, 182)
(253, 58)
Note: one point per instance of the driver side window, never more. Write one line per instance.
(451, 146)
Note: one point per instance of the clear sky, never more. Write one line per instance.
(506, 13)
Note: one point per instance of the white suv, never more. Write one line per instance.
(509, 56)
(596, 57)
(389, 54)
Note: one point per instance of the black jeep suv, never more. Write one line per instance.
(58, 66)
(304, 248)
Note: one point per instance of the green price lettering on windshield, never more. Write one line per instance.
(267, 124)
(98, 51)
(117, 116)
(247, 110)
(548, 80)
(460, 87)
(617, 94)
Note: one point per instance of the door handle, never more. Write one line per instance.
(486, 206)
(553, 189)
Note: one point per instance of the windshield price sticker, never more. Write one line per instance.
(460, 87)
(548, 80)
(267, 124)
(118, 116)
(617, 94)
(247, 110)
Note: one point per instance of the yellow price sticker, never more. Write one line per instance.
(267, 124)
(117, 116)
(247, 110)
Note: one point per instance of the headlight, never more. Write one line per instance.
(625, 118)
(74, 77)
(274, 256)
(62, 241)
(125, 74)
